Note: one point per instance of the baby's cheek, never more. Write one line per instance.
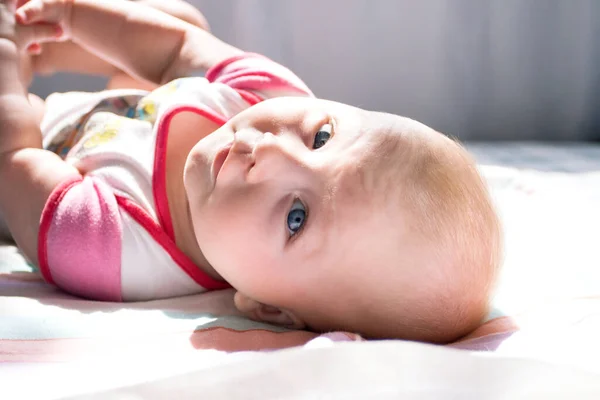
(218, 235)
(245, 262)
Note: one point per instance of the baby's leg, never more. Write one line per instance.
(5, 235)
(38, 106)
(27, 68)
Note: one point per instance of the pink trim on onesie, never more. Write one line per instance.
(213, 73)
(165, 236)
(251, 98)
(159, 177)
(160, 236)
(235, 74)
(79, 247)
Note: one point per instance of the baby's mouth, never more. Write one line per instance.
(219, 160)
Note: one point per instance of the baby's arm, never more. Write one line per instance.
(145, 43)
(28, 174)
(70, 57)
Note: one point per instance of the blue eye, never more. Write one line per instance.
(296, 217)
(322, 136)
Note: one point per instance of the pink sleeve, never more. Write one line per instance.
(257, 78)
(79, 243)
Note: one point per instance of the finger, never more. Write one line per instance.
(34, 49)
(27, 12)
(38, 33)
(36, 10)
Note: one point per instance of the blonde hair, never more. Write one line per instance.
(452, 205)
(450, 210)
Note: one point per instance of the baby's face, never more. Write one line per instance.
(283, 210)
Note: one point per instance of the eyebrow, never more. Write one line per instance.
(317, 232)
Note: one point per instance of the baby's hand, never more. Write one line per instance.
(56, 12)
(22, 36)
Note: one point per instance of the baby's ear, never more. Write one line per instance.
(264, 313)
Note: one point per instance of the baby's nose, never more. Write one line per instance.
(270, 159)
(269, 149)
(246, 141)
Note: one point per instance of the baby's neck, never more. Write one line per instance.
(183, 135)
(186, 238)
(183, 229)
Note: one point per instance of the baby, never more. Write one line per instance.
(321, 215)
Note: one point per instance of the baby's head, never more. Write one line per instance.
(334, 218)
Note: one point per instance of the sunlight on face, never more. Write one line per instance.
(281, 207)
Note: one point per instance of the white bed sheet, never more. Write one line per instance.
(548, 196)
(374, 370)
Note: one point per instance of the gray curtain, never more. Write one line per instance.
(497, 69)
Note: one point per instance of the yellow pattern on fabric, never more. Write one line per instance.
(104, 135)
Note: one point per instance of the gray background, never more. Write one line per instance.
(497, 69)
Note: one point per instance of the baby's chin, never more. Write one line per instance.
(197, 177)
(196, 173)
